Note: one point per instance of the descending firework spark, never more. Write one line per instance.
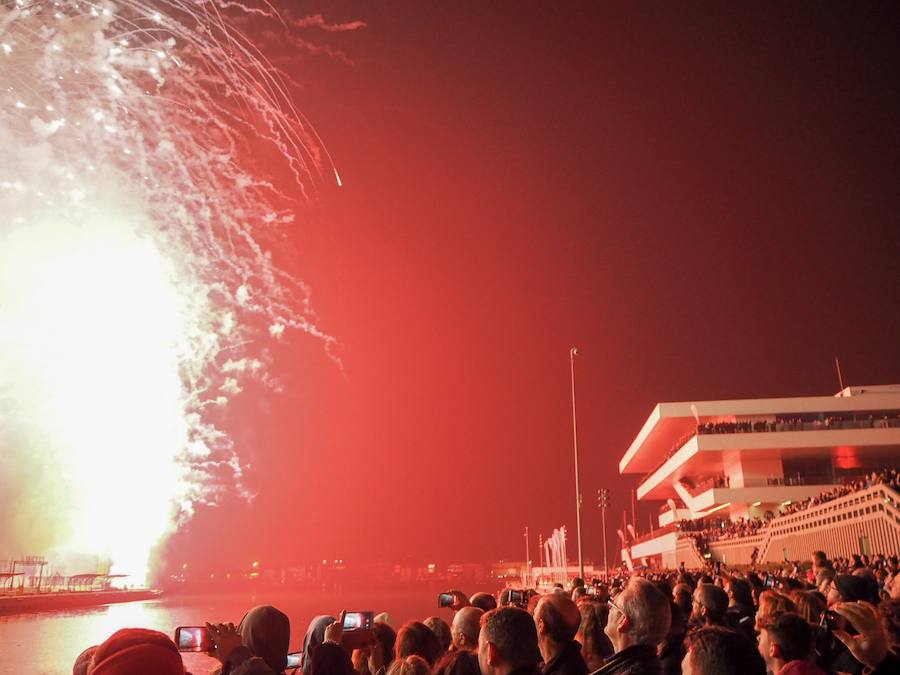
(131, 269)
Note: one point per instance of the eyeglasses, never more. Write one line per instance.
(615, 606)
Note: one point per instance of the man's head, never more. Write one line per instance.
(850, 588)
(824, 579)
(465, 628)
(784, 638)
(713, 650)
(483, 601)
(892, 586)
(416, 638)
(508, 640)
(639, 615)
(739, 592)
(556, 618)
(441, 630)
(682, 595)
(819, 559)
(773, 602)
(710, 605)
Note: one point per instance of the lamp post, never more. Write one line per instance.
(528, 574)
(603, 503)
(572, 352)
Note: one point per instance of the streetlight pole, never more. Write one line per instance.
(603, 503)
(527, 560)
(572, 352)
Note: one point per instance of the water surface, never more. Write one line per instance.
(47, 643)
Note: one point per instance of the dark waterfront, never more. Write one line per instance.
(48, 643)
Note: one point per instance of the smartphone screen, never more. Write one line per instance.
(293, 659)
(445, 600)
(358, 620)
(193, 639)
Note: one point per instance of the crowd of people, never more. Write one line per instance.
(798, 424)
(889, 477)
(779, 424)
(840, 616)
(707, 530)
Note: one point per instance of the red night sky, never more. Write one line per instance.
(703, 198)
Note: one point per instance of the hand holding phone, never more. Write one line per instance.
(225, 639)
(357, 620)
(356, 629)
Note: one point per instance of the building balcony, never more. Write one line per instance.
(708, 455)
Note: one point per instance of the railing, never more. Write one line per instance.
(653, 534)
(828, 424)
(837, 526)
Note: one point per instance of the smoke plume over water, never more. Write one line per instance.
(134, 286)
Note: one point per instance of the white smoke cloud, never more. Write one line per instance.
(132, 279)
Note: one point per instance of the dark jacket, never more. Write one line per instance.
(242, 662)
(526, 670)
(742, 619)
(889, 666)
(634, 660)
(672, 654)
(567, 662)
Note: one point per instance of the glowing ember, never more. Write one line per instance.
(132, 273)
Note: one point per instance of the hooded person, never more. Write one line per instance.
(315, 636)
(266, 632)
(136, 651)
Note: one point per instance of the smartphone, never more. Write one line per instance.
(830, 619)
(517, 598)
(293, 659)
(193, 639)
(358, 620)
(681, 567)
(718, 568)
(445, 600)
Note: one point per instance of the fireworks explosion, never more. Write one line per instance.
(133, 277)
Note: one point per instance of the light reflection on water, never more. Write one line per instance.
(47, 643)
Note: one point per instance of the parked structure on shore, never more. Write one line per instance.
(767, 480)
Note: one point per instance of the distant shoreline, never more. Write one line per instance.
(30, 603)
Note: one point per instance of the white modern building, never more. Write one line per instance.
(755, 458)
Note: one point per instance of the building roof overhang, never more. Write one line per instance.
(670, 422)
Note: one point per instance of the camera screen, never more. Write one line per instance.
(358, 620)
(445, 599)
(193, 639)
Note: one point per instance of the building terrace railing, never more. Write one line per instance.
(878, 495)
(838, 524)
(776, 426)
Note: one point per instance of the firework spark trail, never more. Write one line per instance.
(131, 269)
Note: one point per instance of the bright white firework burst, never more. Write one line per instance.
(131, 273)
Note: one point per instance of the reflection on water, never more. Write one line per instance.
(49, 642)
